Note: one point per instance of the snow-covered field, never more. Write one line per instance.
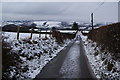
(85, 31)
(34, 54)
(13, 35)
(101, 61)
(48, 24)
(62, 31)
(67, 31)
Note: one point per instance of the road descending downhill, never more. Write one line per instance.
(71, 65)
(71, 62)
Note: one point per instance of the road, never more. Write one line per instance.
(71, 62)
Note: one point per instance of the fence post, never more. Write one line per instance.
(46, 34)
(40, 33)
(18, 29)
(31, 33)
(92, 21)
(50, 34)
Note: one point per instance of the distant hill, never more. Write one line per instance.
(13, 27)
(9, 27)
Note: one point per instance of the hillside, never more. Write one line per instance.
(102, 46)
(108, 37)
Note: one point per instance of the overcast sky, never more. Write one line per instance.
(77, 11)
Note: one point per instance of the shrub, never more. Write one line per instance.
(8, 58)
(60, 37)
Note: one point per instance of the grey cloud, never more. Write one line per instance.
(59, 10)
(34, 8)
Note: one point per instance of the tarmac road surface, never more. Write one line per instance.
(71, 62)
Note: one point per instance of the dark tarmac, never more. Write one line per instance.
(70, 63)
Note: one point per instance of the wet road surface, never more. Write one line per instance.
(71, 62)
(71, 65)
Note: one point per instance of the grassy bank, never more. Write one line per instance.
(108, 38)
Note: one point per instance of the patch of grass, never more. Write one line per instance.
(34, 42)
(96, 53)
(45, 51)
(30, 58)
(103, 59)
(25, 68)
(105, 62)
(110, 66)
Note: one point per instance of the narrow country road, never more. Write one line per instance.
(71, 62)
(71, 65)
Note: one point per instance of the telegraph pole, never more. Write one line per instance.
(92, 21)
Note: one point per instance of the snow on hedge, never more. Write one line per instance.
(34, 55)
(101, 61)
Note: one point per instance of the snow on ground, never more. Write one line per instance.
(85, 31)
(62, 31)
(101, 61)
(49, 24)
(67, 31)
(34, 54)
(13, 35)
